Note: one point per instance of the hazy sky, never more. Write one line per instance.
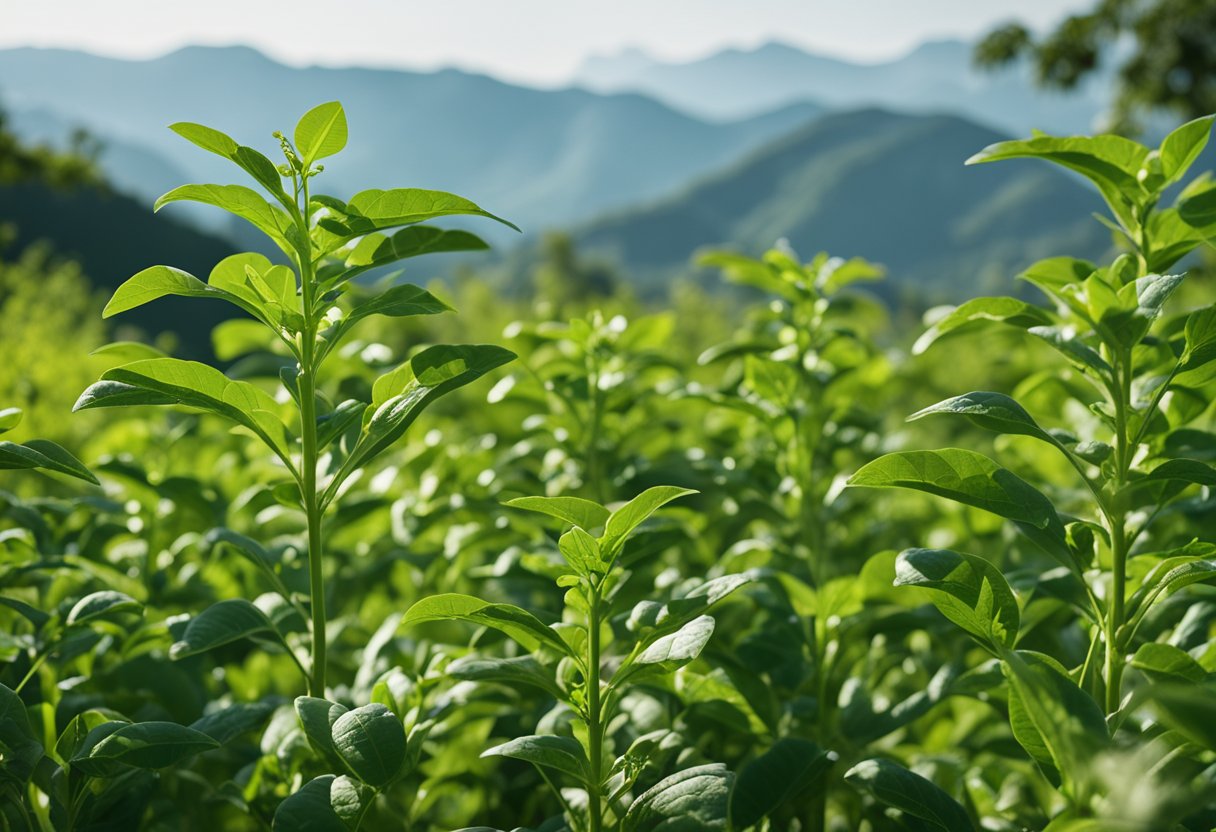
(540, 41)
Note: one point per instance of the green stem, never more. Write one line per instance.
(307, 385)
(33, 669)
(595, 731)
(1118, 537)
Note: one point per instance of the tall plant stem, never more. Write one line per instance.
(1118, 535)
(595, 731)
(307, 386)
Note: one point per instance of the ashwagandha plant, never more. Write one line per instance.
(321, 444)
(589, 662)
(1135, 381)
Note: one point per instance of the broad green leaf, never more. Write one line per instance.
(790, 767)
(582, 551)
(519, 670)
(318, 716)
(378, 209)
(1112, 163)
(1197, 207)
(374, 250)
(251, 161)
(227, 723)
(670, 652)
(700, 598)
(398, 302)
(1167, 663)
(992, 411)
(694, 800)
(1182, 147)
(564, 754)
(117, 394)
(30, 613)
(221, 623)
(1082, 356)
(975, 480)
(197, 385)
(324, 804)
(102, 604)
(978, 311)
(965, 588)
(1189, 709)
(158, 282)
(44, 455)
(574, 510)
(145, 745)
(430, 374)
(242, 202)
(895, 786)
(1058, 724)
(1192, 564)
(72, 739)
(321, 132)
(20, 749)
(1200, 333)
(371, 741)
(519, 624)
(635, 512)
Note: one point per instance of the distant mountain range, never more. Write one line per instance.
(538, 157)
(935, 77)
(870, 183)
(744, 148)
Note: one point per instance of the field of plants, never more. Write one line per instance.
(754, 562)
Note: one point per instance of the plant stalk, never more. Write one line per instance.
(595, 735)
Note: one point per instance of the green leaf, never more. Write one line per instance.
(979, 311)
(1200, 333)
(582, 551)
(1082, 356)
(221, 623)
(371, 741)
(197, 385)
(321, 132)
(399, 399)
(521, 670)
(992, 411)
(1192, 564)
(635, 512)
(241, 202)
(10, 417)
(1189, 709)
(317, 716)
(563, 754)
(694, 800)
(1110, 162)
(788, 768)
(1058, 724)
(893, 785)
(226, 724)
(1167, 663)
(700, 598)
(573, 510)
(975, 480)
(670, 652)
(966, 589)
(158, 282)
(377, 209)
(103, 604)
(398, 302)
(375, 250)
(325, 804)
(150, 745)
(20, 749)
(516, 623)
(251, 161)
(44, 455)
(1182, 147)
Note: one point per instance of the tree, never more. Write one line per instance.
(1171, 65)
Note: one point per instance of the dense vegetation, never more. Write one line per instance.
(684, 570)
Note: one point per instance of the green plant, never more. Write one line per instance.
(328, 243)
(1133, 380)
(588, 663)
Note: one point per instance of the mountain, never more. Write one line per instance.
(871, 183)
(539, 157)
(113, 236)
(935, 77)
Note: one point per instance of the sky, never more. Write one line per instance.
(540, 42)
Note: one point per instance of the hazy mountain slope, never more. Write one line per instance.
(539, 157)
(889, 187)
(113, 236)
(935, 77)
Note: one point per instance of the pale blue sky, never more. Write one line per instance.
(536, 41)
